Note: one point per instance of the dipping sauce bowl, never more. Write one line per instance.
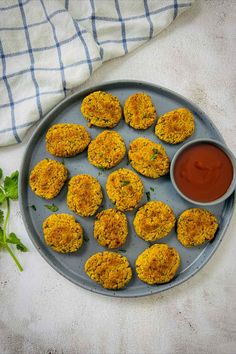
(203, 172)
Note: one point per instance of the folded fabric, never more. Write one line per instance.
(49, 47)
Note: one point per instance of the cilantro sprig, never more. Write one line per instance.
(155, 153)
(9, 192)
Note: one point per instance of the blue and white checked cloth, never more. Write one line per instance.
(49, 47)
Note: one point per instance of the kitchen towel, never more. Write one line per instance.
(50, 47)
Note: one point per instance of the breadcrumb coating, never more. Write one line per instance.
(154, 221)
(111, 228)
(148, 158)
(125, 189)
(101, 109)
(63, 233)
(110, 269)
(106, 150)
(196, 226)
(175, 126)
(139, 111)
(65, 140)
(47, 178)
(157, 264)
(84, 195)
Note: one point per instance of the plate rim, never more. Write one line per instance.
(230, 201)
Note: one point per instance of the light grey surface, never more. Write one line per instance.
(72, 265)
(42, 312)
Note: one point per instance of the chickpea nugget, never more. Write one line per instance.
(139, 111)
(106, 150)
(175, 126)
(47, 178)
(111, 228)
(148, 158)
(157, 264)
(125, 189)
(154, 221)
(101, 109)
(63, 233)
(84, 195)
(196, 226)
(110, 269)
(65, 140)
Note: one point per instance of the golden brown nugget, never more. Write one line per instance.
(84, 195)
(106, 150)
(196, 226)
(65, 140)
(110, 269)
(63, 233)
(175, 126)
(101, 109)
(111, 228)
(157, 264)
(148, 158)
(125, 189)
(154, 221)
(47, 178)
(139, 111)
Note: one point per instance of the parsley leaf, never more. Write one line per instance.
(86, 239)
(11, 185)
(152, 189)
(8, 192)
(12, 238)
(2, 196)
(33, 207)
(51, 207)
(155, 153)
(1, 234)
(122, 250)
(148, 196)
(124, 183)
(1, 217)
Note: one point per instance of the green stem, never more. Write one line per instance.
(6, 222)
(5, 237)
(14, 257)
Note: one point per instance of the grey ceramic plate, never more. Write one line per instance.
(71, 265)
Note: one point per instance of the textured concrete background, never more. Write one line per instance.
(41, 312)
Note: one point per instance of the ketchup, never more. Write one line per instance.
(203, 172)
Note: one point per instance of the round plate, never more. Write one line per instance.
(72, 265)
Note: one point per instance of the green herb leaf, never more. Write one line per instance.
(99, 173)
(121, 250)
(13, 239)
(21, 247)
(1, 234)
(128, 162)
(2, 196)
(124, 183)
(11, 185)
(33, 207)
(152, 189)
(148, 196)
(51, 207)
(1, 217)
(0, 173)
(86, 239)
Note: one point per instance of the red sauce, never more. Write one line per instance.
(203, 172)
